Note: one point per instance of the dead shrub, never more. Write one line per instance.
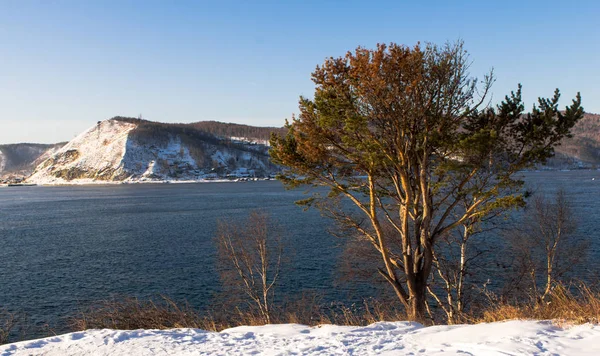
(15, 326)
(132, 313)
(8, 322)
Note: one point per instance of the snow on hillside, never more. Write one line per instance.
(250, 140)
(47, 154)
(386, 338)
(155, 161)
(140, 151)
(96, 153)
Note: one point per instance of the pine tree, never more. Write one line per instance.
(405, 135)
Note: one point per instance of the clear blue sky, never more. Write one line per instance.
(66, 64)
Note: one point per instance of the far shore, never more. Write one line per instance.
(91, 182)
(102, 182)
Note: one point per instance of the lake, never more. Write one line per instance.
(62, 248)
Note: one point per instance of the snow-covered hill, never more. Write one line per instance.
(131, 150)
(398, 338)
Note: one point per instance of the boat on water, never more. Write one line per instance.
(21, 184)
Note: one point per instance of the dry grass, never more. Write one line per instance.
(15, 326)
(574, 305)
(163, 313)
(369, 312)
(132, 313)
(577, 305)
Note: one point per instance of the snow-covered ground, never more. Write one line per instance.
(398, 338)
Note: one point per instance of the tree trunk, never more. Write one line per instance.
(417, 305)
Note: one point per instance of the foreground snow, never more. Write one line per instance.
(399, 338)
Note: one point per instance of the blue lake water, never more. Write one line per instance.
(62, 248)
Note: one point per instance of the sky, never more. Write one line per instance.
(64, 65)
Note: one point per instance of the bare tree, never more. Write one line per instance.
(251, 253)
(546, 247)
(458, 257)
(451, 270)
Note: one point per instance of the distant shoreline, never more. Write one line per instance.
(97, 183)
(200, 181)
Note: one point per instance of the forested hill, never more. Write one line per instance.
(588, 127)
(220, 130)
(585, 143)
(21, 158)
(236, 130)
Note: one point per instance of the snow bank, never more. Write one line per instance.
(398, 338)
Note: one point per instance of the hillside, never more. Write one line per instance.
(20, 159)
(135, 150)
(585, 143)
(223, 130)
